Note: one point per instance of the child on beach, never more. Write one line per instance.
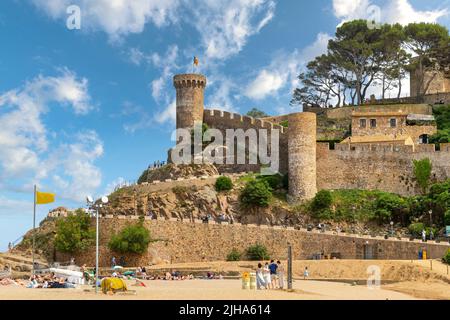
(305, 273)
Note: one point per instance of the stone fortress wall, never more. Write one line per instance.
(311, 166)
(223, 120)
(378, 167)
(371, 166)
(184, 241)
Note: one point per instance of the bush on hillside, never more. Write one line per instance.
(257, 193)
(322, 200)
(257, 252)
(234, 255)
(132, 239)
(274, 181)
(422, 173)
(74, 233)
(446, 257)
(224, 184)
(416, 229)
(447, 218)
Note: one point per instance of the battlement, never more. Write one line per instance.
(384, 148)
(189, 81)
(228, 120)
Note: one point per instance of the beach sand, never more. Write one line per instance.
(210, 290)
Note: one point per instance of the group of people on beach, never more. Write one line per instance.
(141, 273)
(270, 276)
(49, 281)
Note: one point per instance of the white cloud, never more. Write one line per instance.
(115, 17)
(223, 26)
(168, 114)
(266, 83)
(28, 154)
(394, 11)
(284, 70)
(403, 12)
(110, 187)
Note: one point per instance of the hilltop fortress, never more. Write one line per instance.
(378, 154)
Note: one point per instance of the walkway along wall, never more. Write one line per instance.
(196, 242)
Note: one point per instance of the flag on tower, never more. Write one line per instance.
(196, 61)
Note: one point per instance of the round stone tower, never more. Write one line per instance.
(190, 99)
(302, 156)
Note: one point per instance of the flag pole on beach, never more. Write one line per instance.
(39, 198)
(34, 228)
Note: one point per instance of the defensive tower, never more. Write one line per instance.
(302, 156)
(190, 99)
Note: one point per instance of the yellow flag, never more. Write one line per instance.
(196, 61)
(44, 198)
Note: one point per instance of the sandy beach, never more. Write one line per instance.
(210, 290)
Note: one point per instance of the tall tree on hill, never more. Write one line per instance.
(358, 50)
(393, 59)
(321, 81)
(427, 41)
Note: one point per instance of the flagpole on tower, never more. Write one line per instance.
(34, 228)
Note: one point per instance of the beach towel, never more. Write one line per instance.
(113, 284)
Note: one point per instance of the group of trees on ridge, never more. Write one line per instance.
(360, 57)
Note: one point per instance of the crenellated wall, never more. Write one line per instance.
(223, 120)
(378, 167)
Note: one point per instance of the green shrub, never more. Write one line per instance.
(322, 200)
(132, 239)
(257, 193)
(416, 229)
(447, 218)
(387, 204)
(257, 252)
(446, 257)
(274, 181)
(74, 233)
(224, 184)
(422, 173)
(234, 255)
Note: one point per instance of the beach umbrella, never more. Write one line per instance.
(118, 268)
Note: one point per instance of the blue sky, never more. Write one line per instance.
(83, 110)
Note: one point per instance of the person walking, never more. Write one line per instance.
(280, 274)
(424, 235)
(273, 273)
(260, 283)
(113, 262)
(267, 278)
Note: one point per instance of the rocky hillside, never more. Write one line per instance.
(172, 171)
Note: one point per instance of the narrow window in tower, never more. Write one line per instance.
(373, 123)
(362, 123)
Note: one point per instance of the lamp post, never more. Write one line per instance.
(392, 228)
(431, 217)
(94, 208)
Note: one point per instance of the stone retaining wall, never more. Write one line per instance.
(195, 242)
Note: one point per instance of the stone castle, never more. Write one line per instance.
(378, 155)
